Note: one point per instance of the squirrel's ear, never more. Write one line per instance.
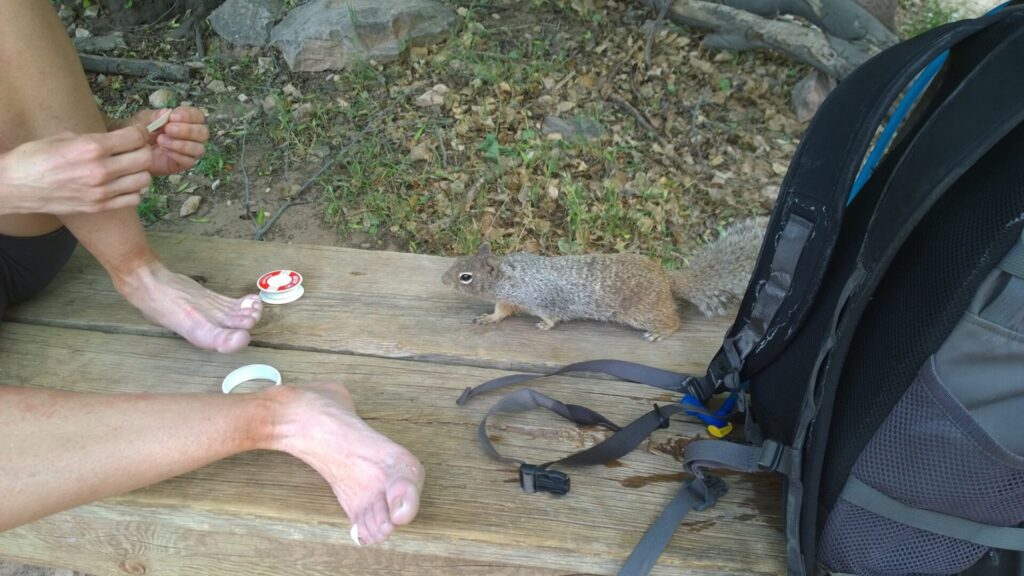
(484, 249)
(492, 267)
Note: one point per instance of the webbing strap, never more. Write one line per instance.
(1007, 309)
(629, 371)
(526, 399)
(622, 442)
(696, 494)
(705, 454)
(1013, 262)
(860, 494)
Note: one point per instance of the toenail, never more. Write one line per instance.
(354, 533)
(248, 303)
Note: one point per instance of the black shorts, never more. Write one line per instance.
(27, 265)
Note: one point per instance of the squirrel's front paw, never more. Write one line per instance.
(545, 325)
(486, 319)
(651, 336)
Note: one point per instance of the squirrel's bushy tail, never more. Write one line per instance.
(717, 275)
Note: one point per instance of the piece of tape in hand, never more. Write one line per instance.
(159, 122)
(250, 372)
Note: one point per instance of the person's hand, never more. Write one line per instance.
(72, 174)
(180, 143)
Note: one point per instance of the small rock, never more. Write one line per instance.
(304, 111)
(769, 193)
(162, 98)
(215, 185)
(432, 97)
(99, 43)
(246, 22)
(779, 168)
(291, 91)
(174, 179)
(190, 206)
(320, 151)
(242, 98)
(271, 103)
(421, 153)
(575, 129)
(82, 33)
(92, 11)
(217, 86)
(552, 190)
(66, 14)
(264, 63)
(809, 93)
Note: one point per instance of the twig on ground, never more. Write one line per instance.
(646, 124)
(245, 180)
(200, 46)
(444, 152)
(654, 31)
(639, 117)
(473, 191)
(132, 67)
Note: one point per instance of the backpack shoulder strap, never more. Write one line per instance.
(805, 226)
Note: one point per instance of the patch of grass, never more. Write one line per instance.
(212, 163)
(153, 206)
(923, 15)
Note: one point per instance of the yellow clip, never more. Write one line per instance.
(720, 432)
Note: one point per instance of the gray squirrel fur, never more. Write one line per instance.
(626, 288)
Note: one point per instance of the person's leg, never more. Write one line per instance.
(64, 449)
(43, 92)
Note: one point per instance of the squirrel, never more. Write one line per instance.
(629, 289)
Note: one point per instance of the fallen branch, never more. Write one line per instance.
(736, 29)
(132, 67)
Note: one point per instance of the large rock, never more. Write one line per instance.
(809, 93)
(334, 34)
(246, 22)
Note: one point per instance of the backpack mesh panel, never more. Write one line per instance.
(930, 454)
(860, 542)
(921, 298)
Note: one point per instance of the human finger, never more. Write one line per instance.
(130, 162)
(185, 162)
(122, 201)
(188, 115)
(130, 184)
(186, 147)
(182, 131)
(120, 141)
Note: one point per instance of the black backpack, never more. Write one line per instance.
(877, 359)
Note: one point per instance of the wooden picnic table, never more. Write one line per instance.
(383, 324)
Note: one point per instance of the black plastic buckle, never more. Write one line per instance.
(536, 479)
(714, 488)
(664, 420)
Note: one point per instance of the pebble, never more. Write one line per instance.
(162, 98)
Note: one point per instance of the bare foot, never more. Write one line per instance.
(204, 318)
(377, 482)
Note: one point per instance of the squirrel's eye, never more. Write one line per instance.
(466, 277)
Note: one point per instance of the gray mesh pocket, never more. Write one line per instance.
(931, 454)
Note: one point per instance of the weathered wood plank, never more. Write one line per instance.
(362, 302)
(266, 513)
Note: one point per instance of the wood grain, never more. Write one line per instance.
(266, 513)
(384, 304)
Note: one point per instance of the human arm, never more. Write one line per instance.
(76, 173)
